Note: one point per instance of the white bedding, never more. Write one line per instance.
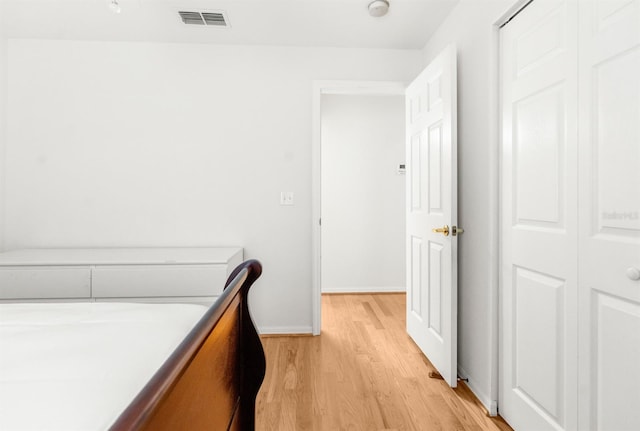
(77, 366)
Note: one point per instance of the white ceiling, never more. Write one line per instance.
(335, 23)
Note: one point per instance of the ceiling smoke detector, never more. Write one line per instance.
(114, 6)
(378, 8)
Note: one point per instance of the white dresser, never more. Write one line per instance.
(189, 275)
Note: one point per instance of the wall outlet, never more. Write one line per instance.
(286, 198)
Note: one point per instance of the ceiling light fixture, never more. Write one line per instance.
(378, 8)
(114, 6)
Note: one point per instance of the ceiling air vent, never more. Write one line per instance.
(216, 19)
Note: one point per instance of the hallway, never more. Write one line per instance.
(362, 373)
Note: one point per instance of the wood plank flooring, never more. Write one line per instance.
(362, 373)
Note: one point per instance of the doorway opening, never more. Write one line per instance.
(354, 173)
(362, 194)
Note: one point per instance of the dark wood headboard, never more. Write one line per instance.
(211, 380)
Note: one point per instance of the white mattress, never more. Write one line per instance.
(77, 366)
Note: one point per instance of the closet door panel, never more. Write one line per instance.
(539, 211)
(609, 214)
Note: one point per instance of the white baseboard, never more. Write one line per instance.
(487, 402)
(364, 289)
(285, 330)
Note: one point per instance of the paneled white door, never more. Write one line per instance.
(432, 204)
(538, 368)
(609, 215)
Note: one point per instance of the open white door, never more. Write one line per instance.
(432, 297)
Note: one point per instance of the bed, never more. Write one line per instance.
(106, 380)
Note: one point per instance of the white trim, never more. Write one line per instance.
(371, 88)
(486, 400)
(491, 400)
(316, 300)
(365, 289)
(285, 330)
(510, 12)
(319, 88)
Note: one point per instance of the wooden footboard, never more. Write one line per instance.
(211, 380)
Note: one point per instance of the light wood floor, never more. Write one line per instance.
(362, 373)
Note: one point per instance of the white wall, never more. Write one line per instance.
(136, 144)
(470, 27)
(363, 213)
(3, 110)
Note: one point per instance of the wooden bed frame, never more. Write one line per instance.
(211, 380)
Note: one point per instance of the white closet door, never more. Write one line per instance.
(539, 218)
(609, 251)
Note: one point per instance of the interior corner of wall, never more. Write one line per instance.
(487, 402)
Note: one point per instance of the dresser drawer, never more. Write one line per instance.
(44, 282)
(158, 280)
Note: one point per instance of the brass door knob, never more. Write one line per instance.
(443, 230)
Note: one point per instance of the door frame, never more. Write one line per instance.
(320, 88)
